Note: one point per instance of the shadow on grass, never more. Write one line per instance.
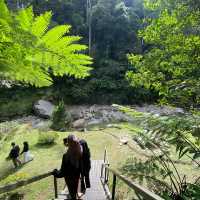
(13, 196)
(10, 171)
(44, 146)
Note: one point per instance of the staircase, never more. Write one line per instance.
(96, 192)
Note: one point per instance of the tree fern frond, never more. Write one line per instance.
(74, 48)
(64, 42)
(55, 34)
(40, 24)
(31, 50)
(31, 74)
(4, 27)
(4, 13)
(25, 18)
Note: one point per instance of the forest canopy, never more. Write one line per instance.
(170, 65)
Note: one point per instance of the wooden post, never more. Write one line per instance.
(55, 187)
(114, 186)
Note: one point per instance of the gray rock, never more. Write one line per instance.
(43, 109)
(42, 125)
(95, 122)
(75, 114)
(79, 124)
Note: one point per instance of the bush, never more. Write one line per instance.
(47, 138)
(60, 119)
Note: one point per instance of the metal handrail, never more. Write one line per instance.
(13, 186)
(139, 190)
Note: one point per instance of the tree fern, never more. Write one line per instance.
(30, 51)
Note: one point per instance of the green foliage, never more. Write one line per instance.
(181, 132)
(149, 171)
(31, 52)
(16, 101)
(60, 119)
(170, 64)
(47, 138)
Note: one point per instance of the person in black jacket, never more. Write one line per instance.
(14, 155)
(86, 166)
(71, 165)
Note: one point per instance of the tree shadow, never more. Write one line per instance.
(13, 196)
(10, 171)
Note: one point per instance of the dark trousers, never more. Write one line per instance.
(72, 184)
(85, 183)
(87, 180)
(16, 162)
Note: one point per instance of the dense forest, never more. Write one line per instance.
(111, 28)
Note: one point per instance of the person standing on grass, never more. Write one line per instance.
(27, 156)
(14, 155)
(71, 165)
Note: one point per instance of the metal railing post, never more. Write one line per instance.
(105, 155)
(55, 187)
(105, 175)
(114, 186)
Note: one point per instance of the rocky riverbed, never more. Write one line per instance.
(89, 115)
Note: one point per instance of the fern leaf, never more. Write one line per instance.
(4, 14)
(25, 18)
(64, 42)
(74, 48)
(40, 24)
(55, 34)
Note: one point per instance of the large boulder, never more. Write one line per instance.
(93, 122)
(79, 124)
(43, 109)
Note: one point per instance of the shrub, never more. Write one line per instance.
(60, 119)
(47, 138)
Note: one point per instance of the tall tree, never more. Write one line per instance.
(170, 66)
